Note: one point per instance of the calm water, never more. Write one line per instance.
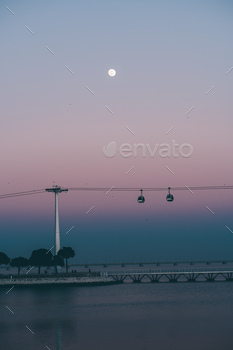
(129, 316)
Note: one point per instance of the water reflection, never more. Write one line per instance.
(58, 337)
(123, 317)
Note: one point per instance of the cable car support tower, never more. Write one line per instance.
(56, 190)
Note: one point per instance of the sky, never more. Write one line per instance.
(167, 56)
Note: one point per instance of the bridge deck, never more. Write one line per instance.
(158, 263)
(174, 275)
(171, 271)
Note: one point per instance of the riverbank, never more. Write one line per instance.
(75, 281)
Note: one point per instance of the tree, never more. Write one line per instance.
(41, 257)
(66, 253)
(4, 260)
(19, 262)
(57, 261)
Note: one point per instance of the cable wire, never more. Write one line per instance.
(150, 189)
(19, 194)
(120, 189)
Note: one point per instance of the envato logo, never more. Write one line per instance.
(164, 150)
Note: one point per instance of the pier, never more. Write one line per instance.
(173, 275)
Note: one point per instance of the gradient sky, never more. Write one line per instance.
(167, 55)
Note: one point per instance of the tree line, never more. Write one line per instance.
(40, 258)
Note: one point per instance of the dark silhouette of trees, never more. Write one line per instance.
(4, 260)
(19, 262)
(57, 261)
(66, 253)
(41, 257)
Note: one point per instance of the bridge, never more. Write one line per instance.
(173, 275)
(157, 263)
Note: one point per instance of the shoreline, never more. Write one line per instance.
(71, 281)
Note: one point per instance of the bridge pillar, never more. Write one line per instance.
(173, 278)
(119, 279)
(210, 277)
(228, 277)
(153, 278)
(191, 277)
(136, 278)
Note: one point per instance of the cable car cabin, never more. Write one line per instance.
(170, 197)
(141, 199)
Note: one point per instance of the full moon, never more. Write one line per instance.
(111, 72)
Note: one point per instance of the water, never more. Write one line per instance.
(129, 316)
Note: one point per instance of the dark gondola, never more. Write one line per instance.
(170, 197)
(141, 199)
